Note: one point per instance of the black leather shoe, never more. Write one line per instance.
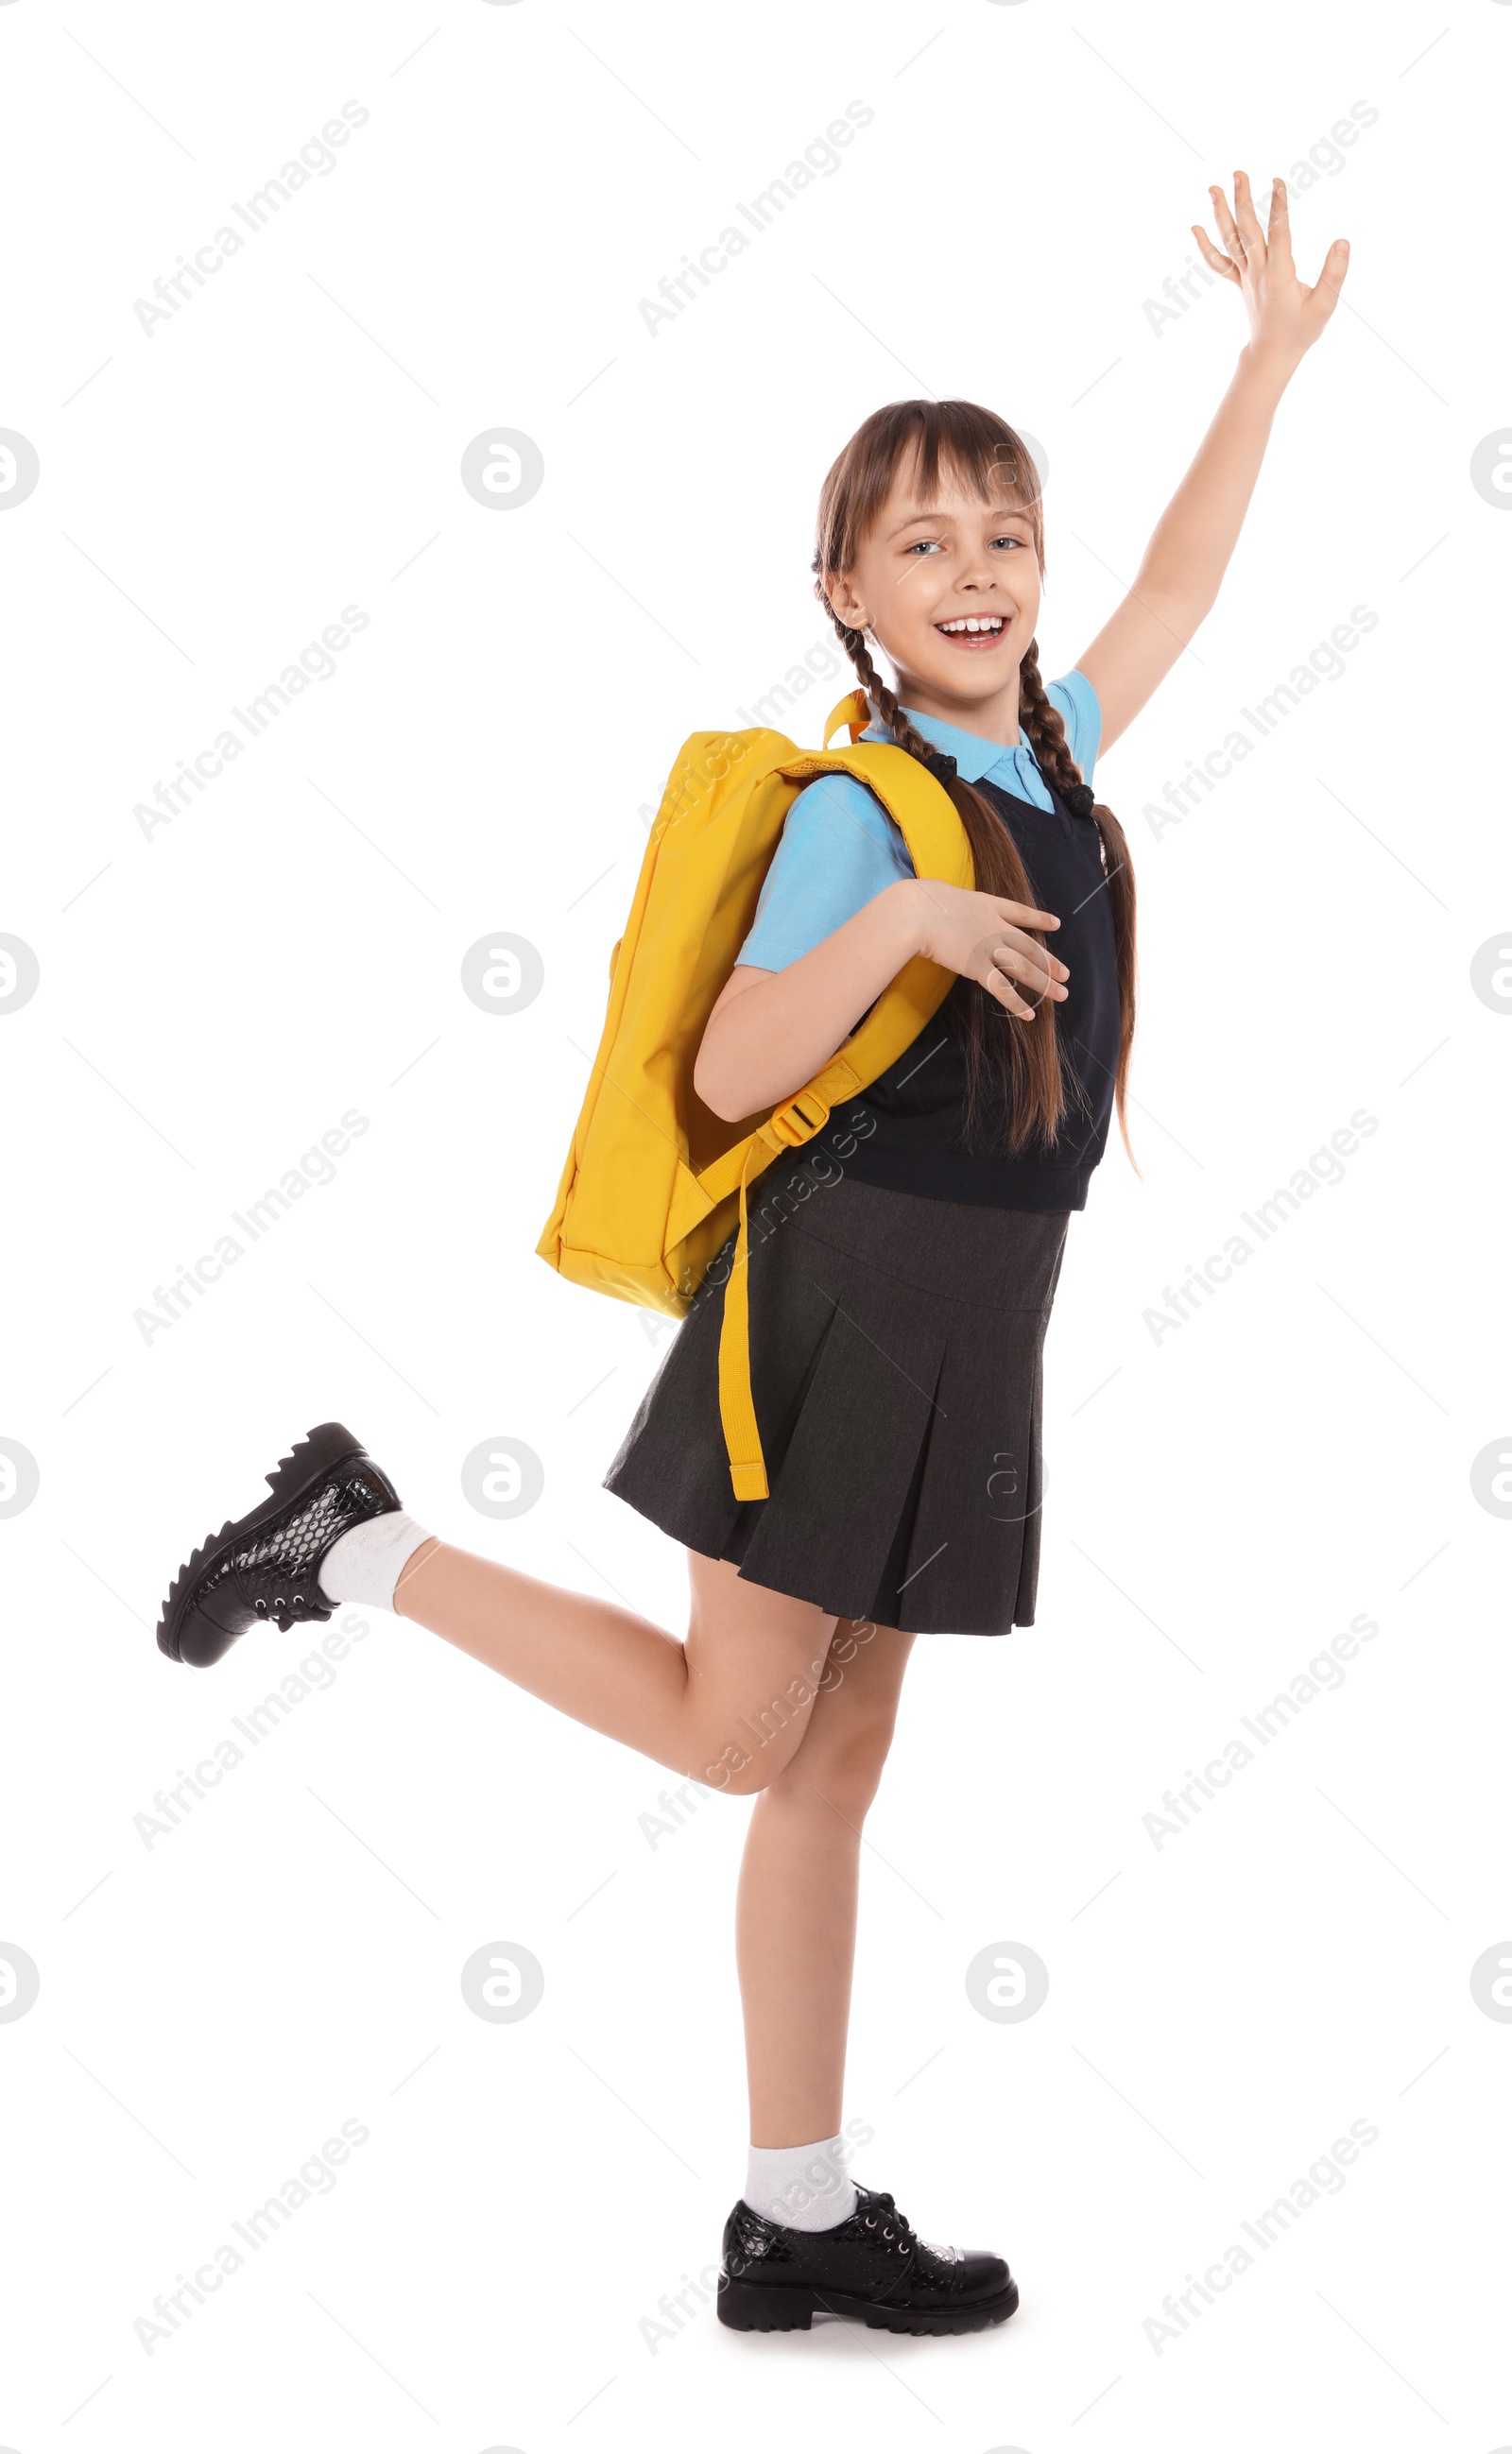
(873, 2266)
(266, 1566)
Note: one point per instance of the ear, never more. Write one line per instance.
(845, 602)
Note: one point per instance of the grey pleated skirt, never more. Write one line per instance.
(896, 1346)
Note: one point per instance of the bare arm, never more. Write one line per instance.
(771, 1032)
(1178, 582)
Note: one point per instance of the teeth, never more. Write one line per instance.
(993, 622)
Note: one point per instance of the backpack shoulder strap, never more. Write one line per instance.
(922, 810)
(930, 825)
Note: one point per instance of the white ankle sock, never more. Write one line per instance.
(807, 2188)
(363, 1564)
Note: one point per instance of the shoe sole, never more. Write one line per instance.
(325, 1446)
(778, 2308)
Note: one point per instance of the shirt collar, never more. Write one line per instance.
(977, 760)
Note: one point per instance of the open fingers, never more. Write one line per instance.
(1030, 966)
(1020, 973)
(1213, 256)
(1038, 958)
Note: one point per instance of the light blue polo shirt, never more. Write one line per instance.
(839, 848)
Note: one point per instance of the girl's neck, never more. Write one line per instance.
(991, 719)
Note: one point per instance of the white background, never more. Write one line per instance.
(1221, 1502)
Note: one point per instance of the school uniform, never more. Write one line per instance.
(901, 1274)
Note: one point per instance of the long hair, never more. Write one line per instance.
(982, 450)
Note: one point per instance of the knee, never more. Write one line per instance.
(844, 1776)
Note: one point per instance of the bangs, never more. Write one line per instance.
(977, 447)
(928, 438)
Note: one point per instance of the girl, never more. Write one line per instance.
(901, 1274)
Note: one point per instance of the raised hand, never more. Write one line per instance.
(1285, 317)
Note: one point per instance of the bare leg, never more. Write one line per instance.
(728, 1707)
(795, 1913)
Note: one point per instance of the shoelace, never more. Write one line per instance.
(908, 2239)
(904, 2238)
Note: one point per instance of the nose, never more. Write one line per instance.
(980, 574)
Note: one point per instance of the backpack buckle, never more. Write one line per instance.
(792, 1122)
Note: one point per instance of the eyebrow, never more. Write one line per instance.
(999, 512)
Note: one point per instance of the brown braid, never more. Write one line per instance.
(1026, 1060)
(1043, 722)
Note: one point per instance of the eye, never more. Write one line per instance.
(923, 545)
(1009, 540)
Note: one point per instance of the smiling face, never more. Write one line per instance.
(948, 586)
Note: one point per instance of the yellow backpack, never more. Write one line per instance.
(655, 1181)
